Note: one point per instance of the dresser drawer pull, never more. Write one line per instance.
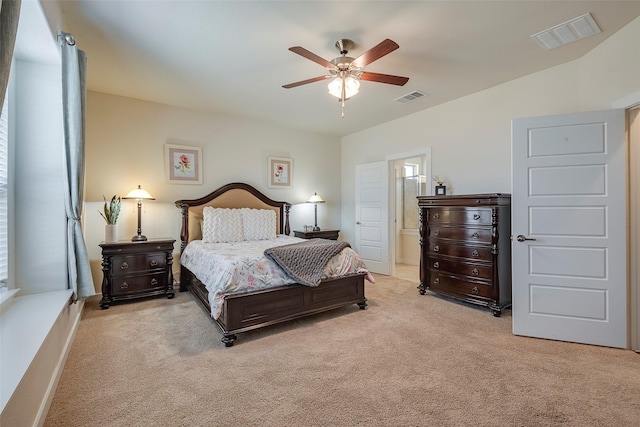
(436, 264)
(436, 249)
(436, 281)
(154, 281)
(475, 253)
(476, 216)
(475, 235)
(436, 216)
(474, 272)
(124, 285)
(124, 266)
(436, 233)
(154, 263)
(475, 290)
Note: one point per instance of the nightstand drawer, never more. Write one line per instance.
(138, 284)
(127, 264)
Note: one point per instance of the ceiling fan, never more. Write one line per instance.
(346, 72)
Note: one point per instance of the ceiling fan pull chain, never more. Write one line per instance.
(344, 93)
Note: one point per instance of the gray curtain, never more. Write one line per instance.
(9, 13)
(73, 105)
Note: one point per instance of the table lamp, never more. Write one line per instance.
(139, 194)
(315, 199)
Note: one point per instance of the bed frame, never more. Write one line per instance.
(253, 310)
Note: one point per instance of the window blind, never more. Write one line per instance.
(4, 190)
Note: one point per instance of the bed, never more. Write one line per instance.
(247, 310)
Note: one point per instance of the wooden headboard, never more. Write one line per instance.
(233, 196)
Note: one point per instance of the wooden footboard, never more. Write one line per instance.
(253, 310)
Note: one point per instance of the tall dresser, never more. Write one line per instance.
(465, 248)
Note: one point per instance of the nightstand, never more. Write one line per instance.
(136, 270)
(322, 234)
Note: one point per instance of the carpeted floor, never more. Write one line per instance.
(408, 360)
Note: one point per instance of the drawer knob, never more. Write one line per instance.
(436, 249)
(124, 285)
(475, 253)
(476, 216)
(436, 216)
(474, 272)
(124, 266)
(436, 281)
(436, 233)
(154, 281)
(475, 235)
(436, 264)
(475, 290)
(154, 263)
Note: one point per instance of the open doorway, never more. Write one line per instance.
(410, 178)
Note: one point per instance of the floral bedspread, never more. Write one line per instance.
(239, 267)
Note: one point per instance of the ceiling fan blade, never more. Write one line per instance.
(381, 49)
(304, 82)
(384, 78)
(312, 56)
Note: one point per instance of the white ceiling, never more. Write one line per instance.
(232, 57)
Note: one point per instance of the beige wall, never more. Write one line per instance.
(471, 137)
(125, 147)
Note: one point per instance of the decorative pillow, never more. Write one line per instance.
(221, 225)
(258, 224)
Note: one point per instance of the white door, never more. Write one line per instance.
(569, 228)
(372, 215)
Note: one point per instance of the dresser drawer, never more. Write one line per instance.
(138, 284)
(474, 270)
(480, 234)
(458, 287)
(469, 216)
(480, 253)
(127, 264)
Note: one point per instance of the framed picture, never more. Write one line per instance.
(280, 172)
(441, 190)
(183, 164)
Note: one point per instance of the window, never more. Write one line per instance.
(4, 192)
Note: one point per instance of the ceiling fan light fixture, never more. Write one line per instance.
(351, 86)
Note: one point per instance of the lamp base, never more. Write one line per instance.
(139, 238)
(316, 228)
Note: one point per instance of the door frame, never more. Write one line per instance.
(391, 158)
(633, 205)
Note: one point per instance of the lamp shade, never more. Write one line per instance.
(315, 199)
(140, 194)
(351, 86)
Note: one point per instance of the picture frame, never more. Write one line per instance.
(441, 190)
(280, 170)
(183, 164)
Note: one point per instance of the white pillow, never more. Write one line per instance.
(221, 225)
(258, 224)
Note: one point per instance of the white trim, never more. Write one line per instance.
(627, 102)
(24, 325)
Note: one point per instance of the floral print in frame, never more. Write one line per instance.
(280, 172)
(183, 164)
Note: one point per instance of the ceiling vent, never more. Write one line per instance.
(410, 97)
(567, 32)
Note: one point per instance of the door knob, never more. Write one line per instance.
(521, 238)
(358, 222)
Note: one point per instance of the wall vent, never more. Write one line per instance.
(410, 97)
(567, 32)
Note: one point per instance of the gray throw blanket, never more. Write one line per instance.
(305, 261)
